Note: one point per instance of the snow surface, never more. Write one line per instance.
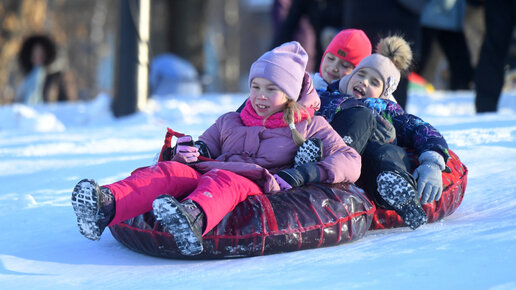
(45, 150)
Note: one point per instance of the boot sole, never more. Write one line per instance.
(85, 205)
(168, 210)
(402, 197)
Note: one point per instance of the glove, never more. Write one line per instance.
(300, 175)
(309, 151)
(282, 183)
(429, 176)
(186, 152)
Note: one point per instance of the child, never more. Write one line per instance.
(44, 78)
(385, 170)
(343, 54)
(394, 55)
(254, 153)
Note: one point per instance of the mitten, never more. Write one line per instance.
(309, 151)
(300, 175)
(185, 152)
(384, 132)
(282, 183)
(429, 176)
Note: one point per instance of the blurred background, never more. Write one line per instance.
(220, 38)
(211, 43)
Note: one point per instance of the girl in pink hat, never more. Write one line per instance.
(253, 152)
(342, 55)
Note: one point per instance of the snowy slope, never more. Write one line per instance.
(45, 150)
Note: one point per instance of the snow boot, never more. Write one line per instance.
(402, 196)
(184, 220)
(94, 207)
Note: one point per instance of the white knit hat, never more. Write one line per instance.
(384, 66)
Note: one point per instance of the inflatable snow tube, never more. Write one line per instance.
(312, 216)
(308, 217)
(454, 187)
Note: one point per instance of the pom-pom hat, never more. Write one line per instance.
(284, 65)
(393, 56)
(384, 66)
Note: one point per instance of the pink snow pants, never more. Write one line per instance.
(216, 191)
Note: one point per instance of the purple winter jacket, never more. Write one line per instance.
(257, 152)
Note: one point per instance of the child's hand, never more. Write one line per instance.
(310, 151)
(429, 182)
(282, 183)
(186, 152)
(429, 176)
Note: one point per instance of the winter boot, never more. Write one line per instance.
(94, 207)
(184, 220)
(402, 196)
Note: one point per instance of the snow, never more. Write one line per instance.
(45, 150)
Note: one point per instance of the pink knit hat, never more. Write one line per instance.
(350, 45)
(384, 66)
(285, 66)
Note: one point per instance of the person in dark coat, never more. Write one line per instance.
(500, 17)
(309, 17)
(443, 21)
(379, 18)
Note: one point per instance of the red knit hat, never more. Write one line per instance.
(350, 45)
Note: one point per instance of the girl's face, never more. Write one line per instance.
(334, 68)
(266, 97)
(366, 83)
(38, 55)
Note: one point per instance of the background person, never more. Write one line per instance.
(44, 80)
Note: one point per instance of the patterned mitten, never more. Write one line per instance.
(310, 151)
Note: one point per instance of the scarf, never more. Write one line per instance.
(251, 119)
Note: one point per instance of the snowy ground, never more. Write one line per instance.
(45, 150)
